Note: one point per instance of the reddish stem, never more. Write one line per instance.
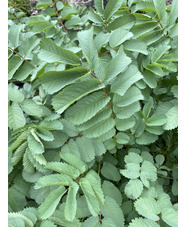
(100, 218)
(61, 22)
(74, 138)
(21, 56)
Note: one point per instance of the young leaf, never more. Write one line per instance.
(18, 154)
(160, 159)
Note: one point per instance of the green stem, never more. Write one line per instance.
(99, 168)
(165, 177)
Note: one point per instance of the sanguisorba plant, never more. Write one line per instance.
(93, 115)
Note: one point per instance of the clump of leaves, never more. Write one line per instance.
(21, 6)
(92, 115)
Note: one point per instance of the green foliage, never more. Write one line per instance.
(93, 115)
(21, 7)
